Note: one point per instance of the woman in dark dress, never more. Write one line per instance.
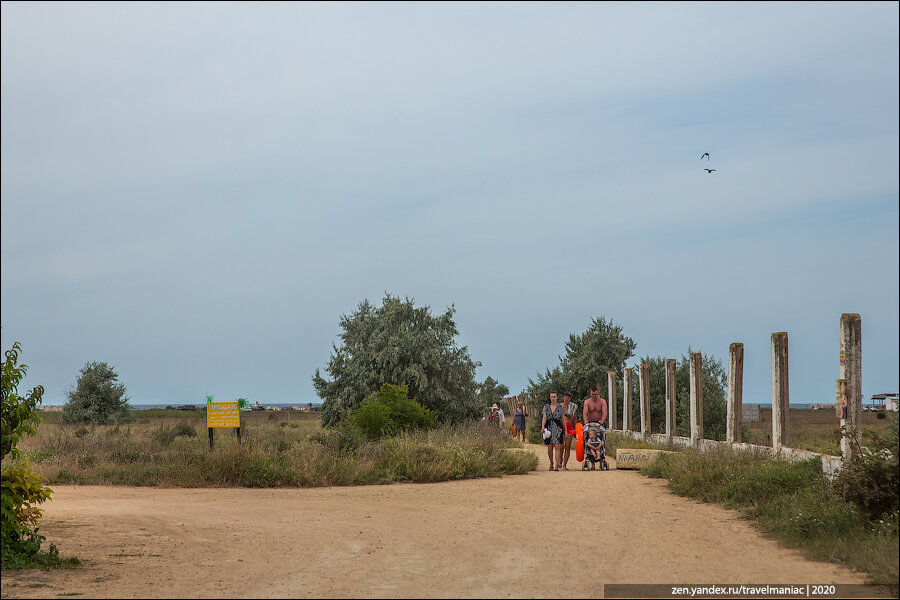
(519, 420)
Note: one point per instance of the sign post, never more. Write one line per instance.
(223, 414)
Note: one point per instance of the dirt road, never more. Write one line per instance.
(519, 536)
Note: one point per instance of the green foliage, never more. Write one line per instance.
(714, 378)
(166, 435)
(871, 480)
(449, 453)
(341, 437)
(18, 412)
(97, 397)
(398, 342)
(589, 356)
(490, 391)
(391, 411)
(21, 490)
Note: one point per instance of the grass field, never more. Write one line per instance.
(278, 448)
(815, 430)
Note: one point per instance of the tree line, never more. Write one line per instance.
(401, 344)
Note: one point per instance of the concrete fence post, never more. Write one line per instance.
(780, 392)
(626, 400)
(611, 397)
(735, 393)
(851, 371)
(670, 399)
(644, 389)
(696, 364)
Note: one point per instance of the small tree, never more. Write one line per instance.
(97, 397)
(21, 490)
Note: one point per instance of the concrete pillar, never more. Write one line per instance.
(670, 399)
(780, 391)
(626, 400)
(696, 364)
(644, 389)
(735, 392)
(611, 397)
(851, 371)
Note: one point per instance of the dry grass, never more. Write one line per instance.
(286, 448)
(814, 430)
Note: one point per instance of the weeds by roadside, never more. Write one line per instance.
(274, 453)
(792, 501)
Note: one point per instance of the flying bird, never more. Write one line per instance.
(709, 170)
(705, 154)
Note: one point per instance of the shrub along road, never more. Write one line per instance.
(544, 534)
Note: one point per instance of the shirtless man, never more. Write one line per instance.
(594, 409)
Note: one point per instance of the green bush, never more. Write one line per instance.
(165, 435)
(21, 490)
(871, 479)
(343, 437)
(390, 412)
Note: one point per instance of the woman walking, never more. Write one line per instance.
(551, 421)
(519, 420)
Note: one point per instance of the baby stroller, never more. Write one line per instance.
(588, 457)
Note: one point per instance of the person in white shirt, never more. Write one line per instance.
(500, 416)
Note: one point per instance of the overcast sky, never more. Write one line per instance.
(195, 193)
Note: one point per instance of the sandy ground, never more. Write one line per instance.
(543, 535)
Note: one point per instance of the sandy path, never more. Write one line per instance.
(479, 538)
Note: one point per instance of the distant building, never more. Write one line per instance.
(888, 402)
(52, 408)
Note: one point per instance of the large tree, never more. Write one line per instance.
(98, 397)
(400, 344)
(589, 356)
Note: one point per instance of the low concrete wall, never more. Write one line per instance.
(635, 458)
(831, 465)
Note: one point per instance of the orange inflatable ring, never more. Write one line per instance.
(579, 442)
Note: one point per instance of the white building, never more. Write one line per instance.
(888, 402)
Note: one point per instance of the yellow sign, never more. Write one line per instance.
(223, 414)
